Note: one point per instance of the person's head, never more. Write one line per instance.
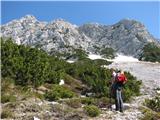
(113, 72)
(122, 72)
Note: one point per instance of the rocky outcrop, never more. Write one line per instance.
(127, 36)
(57, 35)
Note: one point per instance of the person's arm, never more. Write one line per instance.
(113, 77)
(111, 81)
(125, 79)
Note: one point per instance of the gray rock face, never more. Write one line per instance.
(127, 36)
(58, 35)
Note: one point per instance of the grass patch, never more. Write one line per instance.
(74, 103)
(149, 114)
(92, 110)
(88, 101)
(8, 98)
(58, 92)
(103, 102)
(153, 104)
(6, 113)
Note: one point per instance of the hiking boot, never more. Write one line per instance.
(116, 109)
(121, 111)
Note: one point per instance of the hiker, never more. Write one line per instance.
(119, 80)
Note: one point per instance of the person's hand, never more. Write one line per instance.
(124, 82)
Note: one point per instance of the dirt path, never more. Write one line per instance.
(149, 74)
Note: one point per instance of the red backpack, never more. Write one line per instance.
(121, 78)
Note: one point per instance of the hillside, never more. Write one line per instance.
(35, 84)
(61, 71)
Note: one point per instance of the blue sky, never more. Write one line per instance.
(84, 12)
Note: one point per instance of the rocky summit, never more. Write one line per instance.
(126, 36)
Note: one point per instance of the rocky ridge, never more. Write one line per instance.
(57, 35)
(126, 36)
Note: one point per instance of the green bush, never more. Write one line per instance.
(81, 54)
(29, 66)
(149, 114)
(108, 53)
(8, 98)
(7, 86)
(100, 62)
(68, 79)
(88, 101)
(74, 103)
(103, 102)
(131, 88)
(154, 103)
(92, 110)
(6, 113)
(77, 54)
(151, 52)
(98, 78)
(58, 92)
(94, 76)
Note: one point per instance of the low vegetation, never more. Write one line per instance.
(25, 69)
(151, 110)
(74, 103)
(108, 53)
(132, 87)
(58, 92)
(151, 52)
(6, 113)
(153, 104)
(149, 114)
(92, 110)
(28, 66)
(88, 101)
(99, 62)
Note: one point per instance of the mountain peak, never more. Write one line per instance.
(28, 17)
(130, 22)
(56, 35)
(61, 21)
(62, 24)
